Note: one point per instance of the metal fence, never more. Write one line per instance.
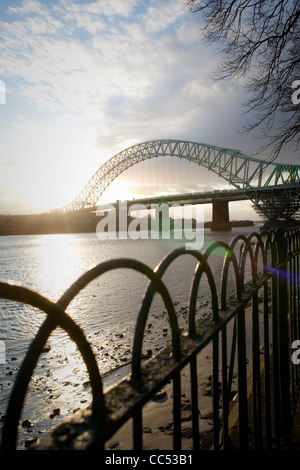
(250, 332)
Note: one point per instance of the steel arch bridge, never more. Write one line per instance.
(274, 188)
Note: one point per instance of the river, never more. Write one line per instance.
(106, 310)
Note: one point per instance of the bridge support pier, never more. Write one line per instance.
(220, 216)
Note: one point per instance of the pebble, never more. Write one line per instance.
(147, 430)
(207, 390)
(159, 395)
(165, 428)
(186, 406)
(27, 423)
(55, 412)
(29, 442)
(187, 433)
(186, 416)
(113, 445)
(123, 359)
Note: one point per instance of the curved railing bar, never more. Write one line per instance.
(55, 317)
(231, 258)
(274, 233)
(280, 239)
(239, 275)
(197, 279)
(143, 314)
(292, 239)
(269, 245)
(156, 285)
(259, 246)
(25, 373)
(242, 260)
(102, 268)
(294, 243)
(247, 250)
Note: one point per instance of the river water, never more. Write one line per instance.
(106, 310)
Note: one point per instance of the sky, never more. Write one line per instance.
(84, 80)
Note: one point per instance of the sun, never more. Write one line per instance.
(119, 190)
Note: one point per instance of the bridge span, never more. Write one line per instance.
(218, 199)
(274, 188)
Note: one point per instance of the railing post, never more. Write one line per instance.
(284, 343)
(242, 381)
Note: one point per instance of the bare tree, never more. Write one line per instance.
(259, 41)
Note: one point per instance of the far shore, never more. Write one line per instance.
(60, 223)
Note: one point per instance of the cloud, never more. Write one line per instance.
(87, 79)
(27, 8)
(198, 88)
(131, 73)
(161, 15)
(125, 63)
(45, 56)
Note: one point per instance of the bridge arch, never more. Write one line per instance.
(242, 171)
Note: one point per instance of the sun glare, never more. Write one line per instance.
(119, 190)
(55, 262)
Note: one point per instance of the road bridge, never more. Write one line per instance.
(274, 188)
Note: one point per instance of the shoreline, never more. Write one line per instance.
(53, 223)
(158, 415)
(75, 386)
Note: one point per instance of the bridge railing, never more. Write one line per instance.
(247, 337)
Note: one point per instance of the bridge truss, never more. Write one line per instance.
(274, 188)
